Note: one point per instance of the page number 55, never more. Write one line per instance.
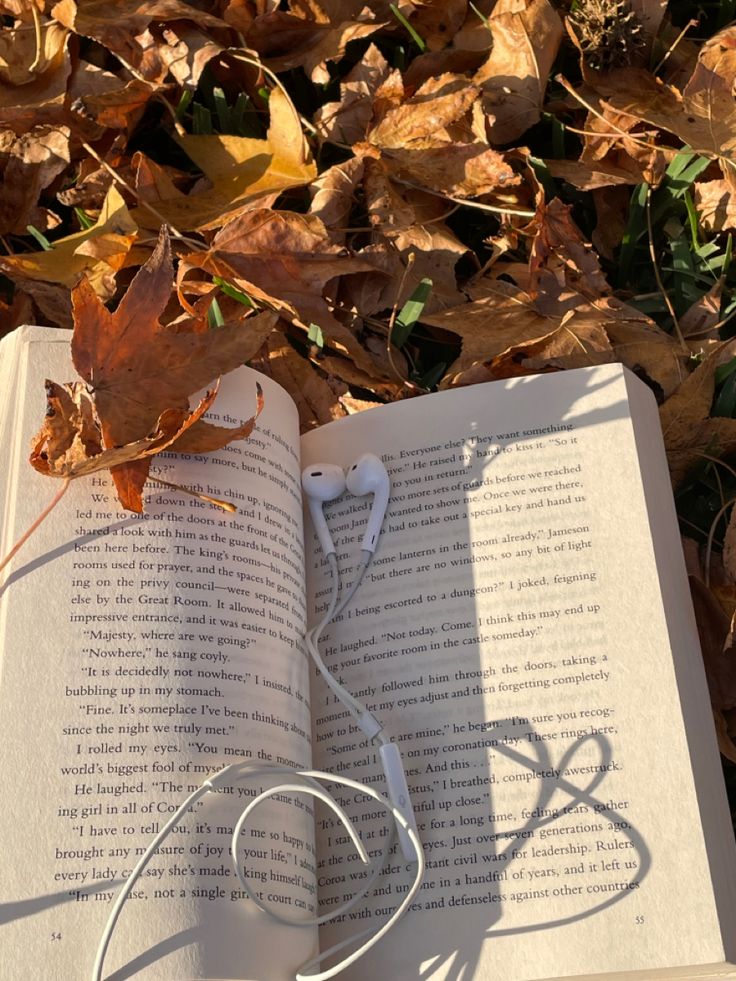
(639, 920)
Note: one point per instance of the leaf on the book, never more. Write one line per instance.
(133, 405)
(687, 426)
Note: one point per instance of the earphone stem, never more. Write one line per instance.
(375, 519)
(320, 526)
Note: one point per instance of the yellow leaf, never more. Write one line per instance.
(96, 250)
(241, 170)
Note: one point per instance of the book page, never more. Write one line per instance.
(139, 655)
(511, 636)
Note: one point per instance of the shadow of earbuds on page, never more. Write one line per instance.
(542, 829)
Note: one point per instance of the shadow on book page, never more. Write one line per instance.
(519, 613)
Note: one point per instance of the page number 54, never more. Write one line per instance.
(55, 936)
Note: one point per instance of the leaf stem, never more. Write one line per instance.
(657, 276)
(192, 243)
(44, 514)
(225, 505)
(39, 41)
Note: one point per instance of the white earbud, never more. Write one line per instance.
(322, 482)
(368, 475)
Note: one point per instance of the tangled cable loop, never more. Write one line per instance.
(302, 782)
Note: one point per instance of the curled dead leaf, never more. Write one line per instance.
(131, 406)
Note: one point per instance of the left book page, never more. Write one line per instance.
(138, 655)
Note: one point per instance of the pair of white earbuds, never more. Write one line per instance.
(324, 482)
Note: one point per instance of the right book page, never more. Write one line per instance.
(524, 633)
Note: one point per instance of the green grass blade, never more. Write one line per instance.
(214, 315)
(40, 238)
(416, 38)
(410, 313)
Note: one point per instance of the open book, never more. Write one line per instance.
(524, 633)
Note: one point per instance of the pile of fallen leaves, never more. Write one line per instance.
(372, 200)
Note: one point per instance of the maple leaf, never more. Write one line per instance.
(242, 171)
(139, 376)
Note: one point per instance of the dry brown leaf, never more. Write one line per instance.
(585, 177)
(287, 261)
(558, 240)
(34, 161)
(578, 342)
(700, 319)
(611, 212)
(607, 144)
(437, 23)
(312, 34)
(716, 205)
(651, 353)
(716, 641)
(40, 98)
(687, 427)
(504, 315)
(728, 556)
(186, 52)
(333, 195)
(21, 61)
(133, 406)
(316, 402)
(114, 23)
(464, 170)
(435, 253)
(422, 120)
(347, 121)
(417, 145)
(70, 443)
(702, 117)
(514, 78)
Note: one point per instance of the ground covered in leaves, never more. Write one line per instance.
(375, 200)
